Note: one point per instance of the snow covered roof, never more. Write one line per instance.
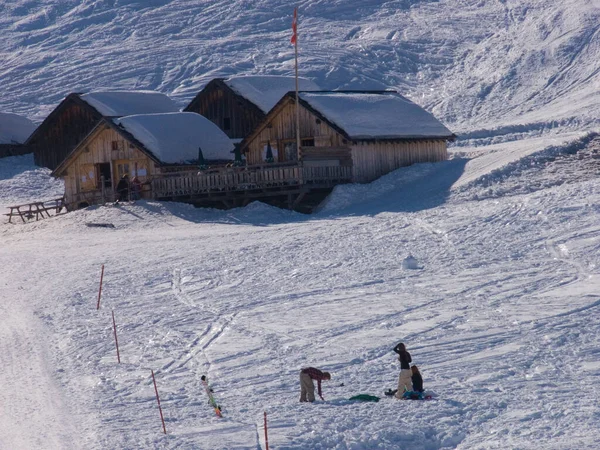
(128, 103)
(174, 138)
(266, 91)
(14, 129)
(376, 115)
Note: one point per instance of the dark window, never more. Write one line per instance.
(307, 142)
(115, 145)
(226, 123)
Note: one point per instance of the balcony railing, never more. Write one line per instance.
(248, 178)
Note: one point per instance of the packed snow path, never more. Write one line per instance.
(500, 317)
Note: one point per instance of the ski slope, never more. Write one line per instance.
(499, 316)
(488, 67)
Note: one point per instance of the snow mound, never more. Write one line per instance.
(14, 129)
(410, 263)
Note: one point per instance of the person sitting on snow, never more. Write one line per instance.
(307, 386)
(417, 379)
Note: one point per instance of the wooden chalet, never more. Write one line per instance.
(75, 117)
(238, 104)
(147, 146)
(370, 133)
(14, 131)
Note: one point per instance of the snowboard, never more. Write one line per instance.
(211, 398)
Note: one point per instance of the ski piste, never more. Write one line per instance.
(211, 399)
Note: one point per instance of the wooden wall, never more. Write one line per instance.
(374, 159)
(60, 134)
(283, 128)
(13, 150)
(369, 159)
(81, 178)
(217, 102)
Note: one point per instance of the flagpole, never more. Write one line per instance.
(297, 97)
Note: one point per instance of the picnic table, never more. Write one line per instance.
(28, 211)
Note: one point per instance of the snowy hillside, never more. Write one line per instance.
(499, 314)
(500, 311)
(477, 65)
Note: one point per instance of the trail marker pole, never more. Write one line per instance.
(158, 400)
(116, 340)
(100, 290)
(266, 435)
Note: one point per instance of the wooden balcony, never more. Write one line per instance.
(249, 182)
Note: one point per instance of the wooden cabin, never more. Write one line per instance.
(373, 132)
(78, 114)
(142, 146)
(238, 104)
(14, 131)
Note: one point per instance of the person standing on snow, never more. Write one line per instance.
(307, 386)
(404, 379)
(123, 189)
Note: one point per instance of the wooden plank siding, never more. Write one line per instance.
(374, 159)
(60, 133)
(370, 159)
(13, 150)
(218, 103)
(82, 183)
(283, 128)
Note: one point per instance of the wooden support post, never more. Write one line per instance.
(158, 401)
(100, 289)
(116, 340)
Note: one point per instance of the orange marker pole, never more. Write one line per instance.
(100, 290)
(266, 435)
(158, 400)
(116, 340)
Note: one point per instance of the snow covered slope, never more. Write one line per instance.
(499, 314)
(476, 64)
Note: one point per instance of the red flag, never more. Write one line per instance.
(294, 39)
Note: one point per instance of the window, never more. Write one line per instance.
(307, 142)
(115, 145)
(226, 123)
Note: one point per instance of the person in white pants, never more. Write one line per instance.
(404, 379)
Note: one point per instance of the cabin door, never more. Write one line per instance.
(121, 167)
(103, 171)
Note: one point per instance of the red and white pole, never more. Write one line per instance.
(100, 290)
(158, 400)
(266, 434)
(116, 340)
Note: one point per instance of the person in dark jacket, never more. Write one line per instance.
(404, 379)
(417, 379)
(123, 189)
(307, 386)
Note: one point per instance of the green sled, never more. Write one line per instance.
(365, 398)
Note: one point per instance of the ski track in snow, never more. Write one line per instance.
(498, 315)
